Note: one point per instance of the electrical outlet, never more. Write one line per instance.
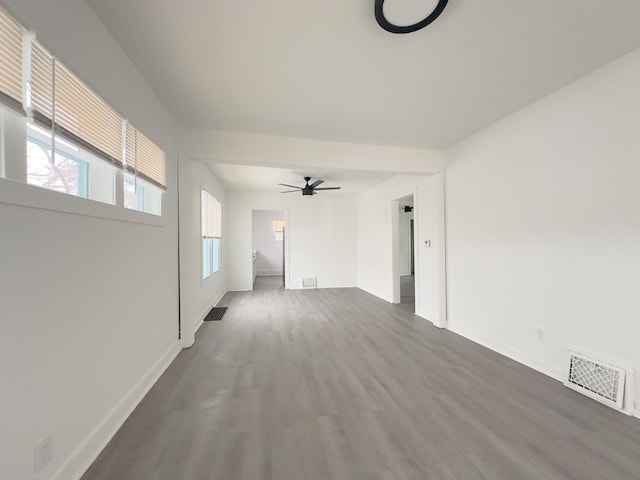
(540, 334)
(43, 452)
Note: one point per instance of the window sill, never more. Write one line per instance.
(17, 193)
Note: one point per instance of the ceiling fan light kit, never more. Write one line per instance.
(307, 189)
(387, 16)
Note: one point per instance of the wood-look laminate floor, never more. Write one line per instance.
(337, 384)
(407, 292)
(268, 282)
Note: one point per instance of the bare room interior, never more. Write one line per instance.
(376, 239)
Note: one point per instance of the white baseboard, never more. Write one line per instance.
(320, 287)
(269, 273)
(199, 320)
(422, 315)
(84, 455)
(377, 295)
(556, 372)
(548, 369)
(239, 289)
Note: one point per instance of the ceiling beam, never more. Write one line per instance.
(288, 152)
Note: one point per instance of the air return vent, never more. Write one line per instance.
(597, 379)
(308, 281)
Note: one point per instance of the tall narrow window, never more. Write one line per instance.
(211, 212)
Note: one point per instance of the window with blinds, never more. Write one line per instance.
(144, 158)
(56, 95)
(211, 214)
(77, 124)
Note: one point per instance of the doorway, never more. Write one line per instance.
(405, 258)
(268, 229)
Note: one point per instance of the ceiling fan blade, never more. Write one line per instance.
(291, 186)
(316, 183)
(328, 188)
(291, 191)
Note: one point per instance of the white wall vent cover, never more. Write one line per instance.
(309, 282)
(594, 378)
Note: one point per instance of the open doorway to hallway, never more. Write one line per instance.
(405, 259)
(268, 247)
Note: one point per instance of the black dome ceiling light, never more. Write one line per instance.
(387, 19)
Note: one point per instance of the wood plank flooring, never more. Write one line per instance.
(268, 282)
(337, 384)
(407, 292)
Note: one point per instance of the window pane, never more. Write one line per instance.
(207, 245)
(216, 254)
(63, 174)
(133, 194)
(142, 196)
(152, 198)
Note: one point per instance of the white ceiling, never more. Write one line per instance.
(326, 70)
(246, 177)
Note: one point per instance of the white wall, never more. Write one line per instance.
(269, 248)
(378, 215)
(320, 237)
(88, 304)
(543, 225)
(197, 295)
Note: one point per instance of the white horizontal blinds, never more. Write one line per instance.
(211, 216)
(208, 223)
(130, 147)
(217, 219)
(41, 96)
(84, 114)
(143, 157)
(11, 34)
(150, 160)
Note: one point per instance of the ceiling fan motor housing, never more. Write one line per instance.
(307, 190)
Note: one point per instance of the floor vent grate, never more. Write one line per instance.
(596, 379)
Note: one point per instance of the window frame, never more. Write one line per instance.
(83, 166)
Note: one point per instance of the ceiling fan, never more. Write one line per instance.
(308, 189)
